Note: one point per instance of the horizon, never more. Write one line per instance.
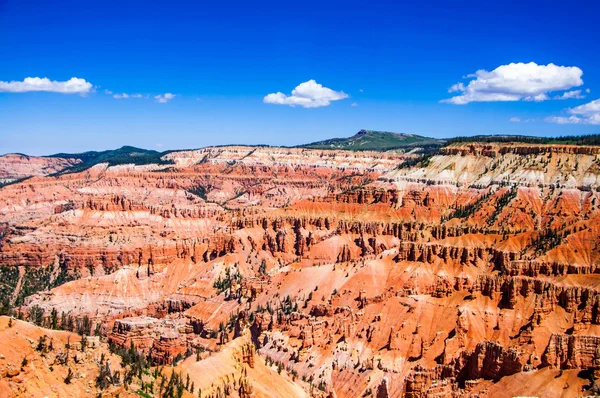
(304, 145)
(99, 76)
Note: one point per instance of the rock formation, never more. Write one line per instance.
(315, 272)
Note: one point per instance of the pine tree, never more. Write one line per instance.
(54, 319)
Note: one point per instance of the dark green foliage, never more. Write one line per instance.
(98, 329)
(54, 319)
(18, 180)
(143, 393)
(42, 345)
(35, 279)
(593, 388)
(38, 279)
(546, 240)
(135, 363)
(105, 378)
(199, 190)
(36, 315)
(174, 388)
(224, 284)
(422, 160)
(368, 140)
(287, 306)
(9, 277)
(502, 202)
(262, 269)
(67, 322)
(592, 139)
(123, 155)
(468, 210)
(84, 326)
(322, 386)
(69, 377)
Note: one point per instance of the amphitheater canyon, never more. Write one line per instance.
(242, 271)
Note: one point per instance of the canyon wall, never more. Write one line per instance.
(347, 273)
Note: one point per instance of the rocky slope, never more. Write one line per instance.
(303, 272)
(37, 362)
(14, 166)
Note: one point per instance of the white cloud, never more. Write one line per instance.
(164, 98)
(583, 114)
(564, 120)
(575, 94)
(108, 92)
(354, 104)
(309, 94)
(125, 95)
(536, 98)
(456, 87)
(74, 85)
(591, 108)
(516, 119)
(516, 82)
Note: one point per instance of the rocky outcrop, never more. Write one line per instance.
(14, 166)
(489, 361)
(345, 255)
(149, 335)
(572, 352)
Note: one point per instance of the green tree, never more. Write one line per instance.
(54, 319)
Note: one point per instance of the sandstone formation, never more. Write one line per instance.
(299, 272)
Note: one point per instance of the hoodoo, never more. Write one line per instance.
(314, 272)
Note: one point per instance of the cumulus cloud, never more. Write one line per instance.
(74, 85)
(516, 82)
(164, 98)
(309, 94)
(583, 114)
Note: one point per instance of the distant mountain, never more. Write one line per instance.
(369, 140)
(123, 155)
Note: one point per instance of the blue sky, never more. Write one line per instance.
(388, 65)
